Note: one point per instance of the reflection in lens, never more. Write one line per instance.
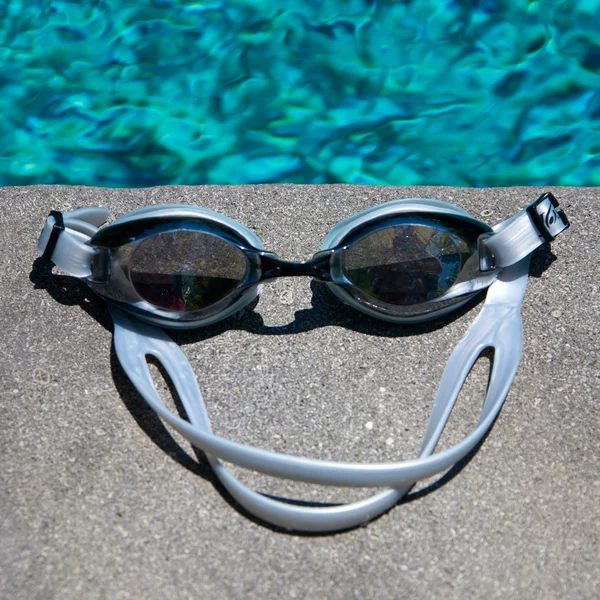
(406, 264)
(186, 270)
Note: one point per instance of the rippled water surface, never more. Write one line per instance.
(470, 92)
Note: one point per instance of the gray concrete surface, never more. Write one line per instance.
(99, 500)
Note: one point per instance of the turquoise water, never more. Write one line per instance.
(468, 93)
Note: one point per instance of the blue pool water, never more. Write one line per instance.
(469, 92)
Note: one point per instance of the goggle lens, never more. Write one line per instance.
(406, 264)
(186, 270)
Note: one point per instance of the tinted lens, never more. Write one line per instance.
(186, 270)
(406, 264)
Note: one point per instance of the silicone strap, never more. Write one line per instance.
(519, 236)
(498, 326)
(72, 253)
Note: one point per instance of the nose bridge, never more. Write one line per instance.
(319, 266)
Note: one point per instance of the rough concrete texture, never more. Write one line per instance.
(99, 500)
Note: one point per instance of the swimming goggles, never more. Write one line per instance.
(406, 261)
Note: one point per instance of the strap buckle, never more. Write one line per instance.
(487, 260)
(57, 228)
(547, 219)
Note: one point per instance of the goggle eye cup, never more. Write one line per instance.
(185, 270)
(401, 268)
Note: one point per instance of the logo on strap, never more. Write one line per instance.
(549, 221)
(551, 218)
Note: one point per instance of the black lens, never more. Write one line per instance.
(407, 263)
(186, 270)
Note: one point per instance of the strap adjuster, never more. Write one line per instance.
(547, 219)
(57, 228)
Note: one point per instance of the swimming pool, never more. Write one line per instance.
(467, 93)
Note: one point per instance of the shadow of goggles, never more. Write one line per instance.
(406, 261)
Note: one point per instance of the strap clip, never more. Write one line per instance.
(57, 228)
(547, 219)
(487, 260)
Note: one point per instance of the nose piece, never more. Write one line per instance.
(319, 266)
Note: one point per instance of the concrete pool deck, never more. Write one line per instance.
(99, 500)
